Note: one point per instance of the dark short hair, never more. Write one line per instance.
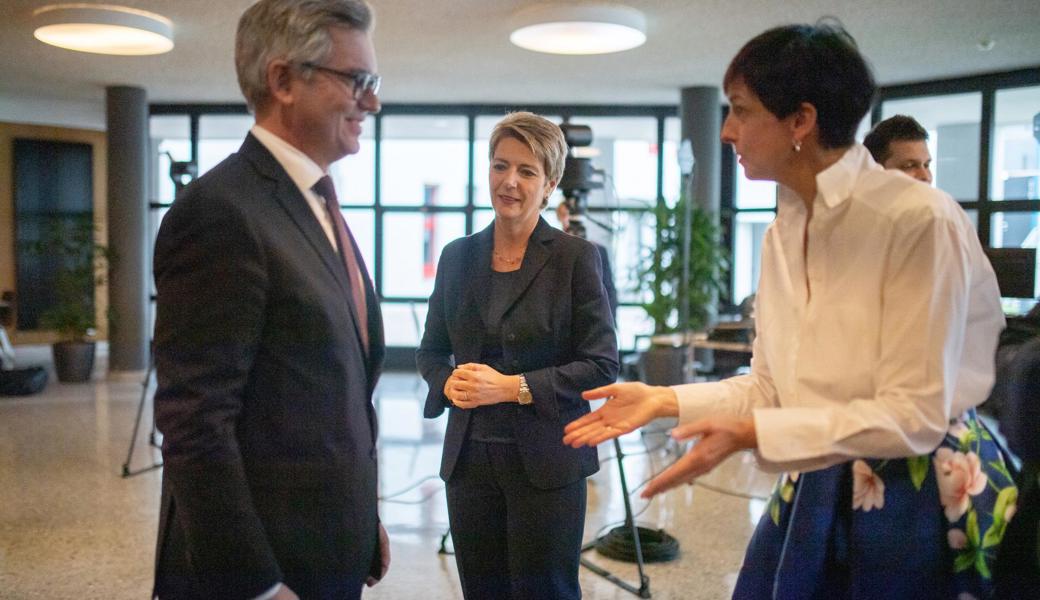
(893, 129)
(818, 64)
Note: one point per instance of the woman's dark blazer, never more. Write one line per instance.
(557, 331)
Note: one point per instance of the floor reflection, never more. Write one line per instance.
(71, 527)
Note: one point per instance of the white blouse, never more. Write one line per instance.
(869, 342)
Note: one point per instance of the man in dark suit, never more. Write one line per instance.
(563, 215)
(268, 337)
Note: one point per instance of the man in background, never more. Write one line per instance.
(563, 215)
(268, 336)
(901, 143)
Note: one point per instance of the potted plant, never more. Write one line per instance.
(79, 263)
(659, 280)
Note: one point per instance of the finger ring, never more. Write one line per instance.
(466, 398)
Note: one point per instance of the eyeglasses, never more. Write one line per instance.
(362, 82)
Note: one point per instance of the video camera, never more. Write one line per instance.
(579, 176)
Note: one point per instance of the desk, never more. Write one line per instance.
(727, 346)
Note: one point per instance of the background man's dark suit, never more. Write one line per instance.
(264, 392)
(558, 332)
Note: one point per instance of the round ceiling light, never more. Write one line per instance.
(578, 28)
(103, 29)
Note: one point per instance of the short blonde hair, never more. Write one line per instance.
(543, 137)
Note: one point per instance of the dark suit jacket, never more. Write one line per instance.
(264, 391)
(558, 332)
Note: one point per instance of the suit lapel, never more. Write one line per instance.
(477, 281)
(295, 205)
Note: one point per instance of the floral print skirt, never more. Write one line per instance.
(921, 527)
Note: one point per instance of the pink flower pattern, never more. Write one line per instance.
(868, 490)
(959, 477)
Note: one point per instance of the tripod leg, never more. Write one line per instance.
(137, 426)
(644, 581)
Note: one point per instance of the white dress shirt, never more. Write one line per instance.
(303, 171)
(870, 341)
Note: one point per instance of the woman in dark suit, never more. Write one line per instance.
(518, 325)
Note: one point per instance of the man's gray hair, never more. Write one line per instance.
(296, 31)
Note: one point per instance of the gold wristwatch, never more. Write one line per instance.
(524, 397)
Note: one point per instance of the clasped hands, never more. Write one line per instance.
(472, 384)
(632, 405)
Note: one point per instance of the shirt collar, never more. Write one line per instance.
(834, 184)
(301, 169)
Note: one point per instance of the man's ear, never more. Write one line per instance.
(279, 81)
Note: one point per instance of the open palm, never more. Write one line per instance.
(628, 406)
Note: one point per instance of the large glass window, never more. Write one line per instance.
(170, 140)
(403, 323)
(1015, 169)
(425, 161)
(423, 196)
(626, 149)
(219, 136)
(749, 228)
(953, 124)
(412, 244)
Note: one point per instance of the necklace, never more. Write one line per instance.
(510, 261)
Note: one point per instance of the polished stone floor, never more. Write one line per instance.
(72, 527)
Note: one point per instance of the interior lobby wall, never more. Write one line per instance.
(59, 112)
(97, 140)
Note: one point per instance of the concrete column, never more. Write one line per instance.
(700, 124)
(126, 110)
(700, 115)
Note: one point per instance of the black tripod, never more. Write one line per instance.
(127, 471)
(628, 531)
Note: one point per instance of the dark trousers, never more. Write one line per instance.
(512, 540)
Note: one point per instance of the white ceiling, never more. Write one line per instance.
(457, 51)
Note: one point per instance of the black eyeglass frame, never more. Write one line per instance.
(360, 81)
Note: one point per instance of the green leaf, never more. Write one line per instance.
(963, 561)
(994, 534)
(973, 528)
(1000, 467)
(918, 466)
(1007, 497)
(981, 566)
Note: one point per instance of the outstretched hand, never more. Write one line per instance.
(629, 405)
(719, 438)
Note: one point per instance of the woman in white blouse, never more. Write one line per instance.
(877, 319)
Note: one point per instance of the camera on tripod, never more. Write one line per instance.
(579, 176)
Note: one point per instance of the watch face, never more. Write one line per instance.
(525, 397)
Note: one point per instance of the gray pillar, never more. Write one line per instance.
(700, 114)
(700, 124)
(126, 111)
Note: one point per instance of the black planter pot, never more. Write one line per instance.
(73, 361)
(663, 365)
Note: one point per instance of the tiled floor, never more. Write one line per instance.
(72, 527)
